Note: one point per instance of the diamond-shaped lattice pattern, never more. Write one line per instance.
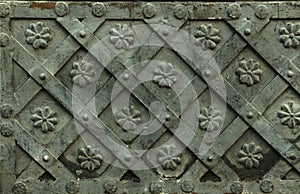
(92, 102)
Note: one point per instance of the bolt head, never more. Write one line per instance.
(207, 73)
(82, 34)
(126, 76)
(290, 73)
(85, 117)
(43, 76)
(127, 158)
(168, 118)
(250, 115)
(46, 158)
(247, 32)
(210, 158)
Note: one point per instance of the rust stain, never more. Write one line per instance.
(42, 5)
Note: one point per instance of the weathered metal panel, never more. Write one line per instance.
(123, 97)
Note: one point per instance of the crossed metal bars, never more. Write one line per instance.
(259, 123)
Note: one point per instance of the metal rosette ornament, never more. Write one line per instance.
(181, 42)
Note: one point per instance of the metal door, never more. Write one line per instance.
(80, 118)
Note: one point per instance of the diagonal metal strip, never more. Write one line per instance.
(278, 61)
(250, 112)
(279, 169)
(33, 148)
(54, 62)
(52, 84)
(87, 43)
(34, 170)
(235, 41)
(213, 152)
(58, 141)
(68, 48)
(62, 141)
(259, 123)
(269, 94)
(90, 40)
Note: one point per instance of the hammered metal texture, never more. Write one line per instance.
(42, 139)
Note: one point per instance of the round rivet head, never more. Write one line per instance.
(85, 117)
(61, 9)
(4, 10)
(82, 34)
(236, 187)
(98, 9)
(72, 187)
(6, 129)
(207, 73)
(187, 186)
(234, 11)
(127, 158)
(247, 32)
(6, 110)
(261, 11)
(4, 39)
(46, 158)
(266, 186)
(168, 118)
(210, 158)
(126, 76)
(180, 11)
(292, 156)
(149, 10)
(290, 73)
(43, 76)
(110, 187)
(250, 115)
(19, 188)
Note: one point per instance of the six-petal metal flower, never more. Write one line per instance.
(121, 36)
(290, 115)
(165, 74)
(128, 118)
(290, 35)
(210, 118)
(249, 72)
(44, 118)
(250, 155)
(82, 74)
(168, 157)
(207, 36)
(38, 35)
(89, 158)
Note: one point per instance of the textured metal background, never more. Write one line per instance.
(256, 44)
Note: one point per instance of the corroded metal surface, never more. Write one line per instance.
(43, 147)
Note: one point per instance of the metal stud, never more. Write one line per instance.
(247, 32)
(250, 115)
(82, 34)
(46, 158)
(290, 73)
(43, 76)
